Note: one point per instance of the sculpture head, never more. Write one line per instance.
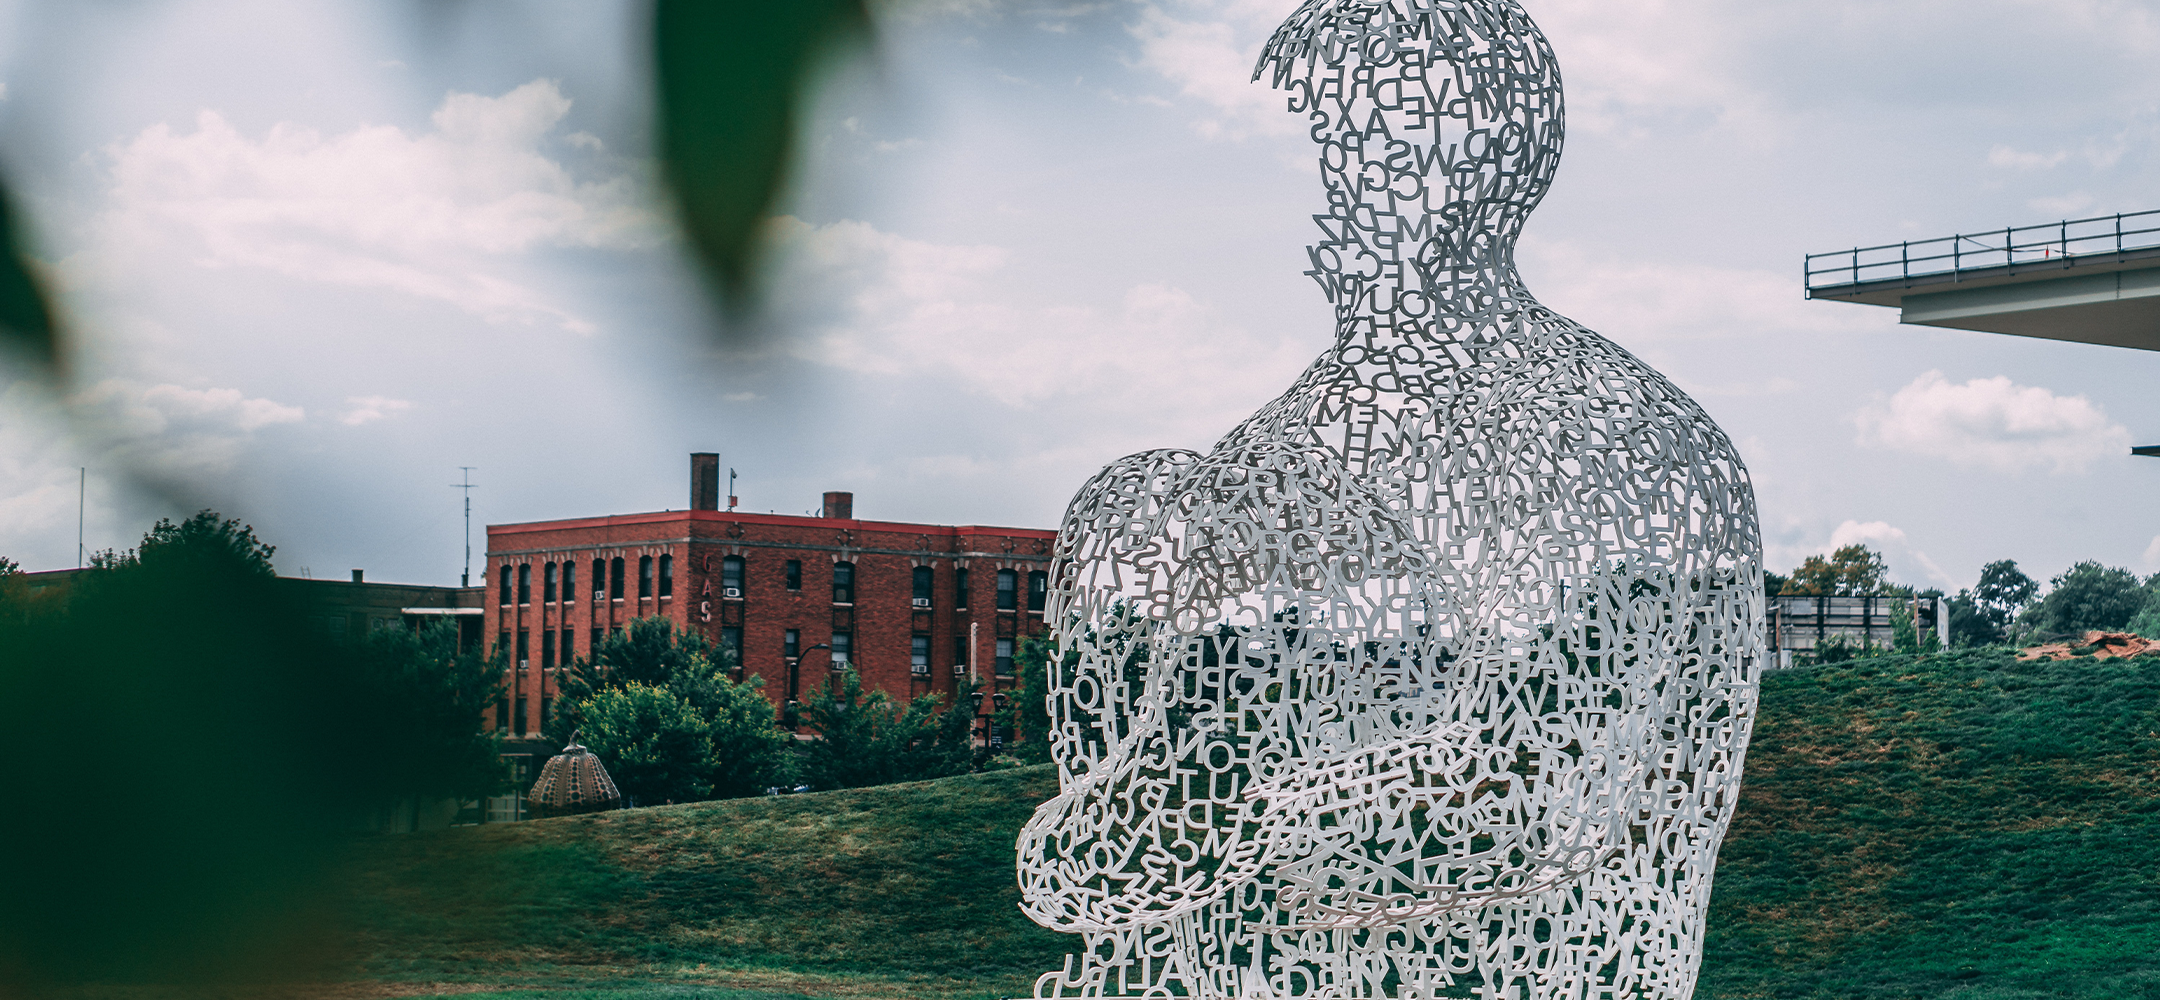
(1440, 126)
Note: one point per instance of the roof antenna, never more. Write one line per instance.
(465, 579)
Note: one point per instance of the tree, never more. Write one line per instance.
(1853, 570)
(868, 739)
(745, 750)
(2085, 597)
(656, 745)
(1982, 616)
(1027, 715)
(417, 696)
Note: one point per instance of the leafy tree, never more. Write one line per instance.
(1982, 616)
(1853, 570)
(744, 748)
(1773, 583)
(868, 739)
(656, 745)
(1027, 714)
(2086, 596)
(419, 697)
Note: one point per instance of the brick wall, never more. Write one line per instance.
(881, 620)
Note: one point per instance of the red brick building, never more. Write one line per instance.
(911, 607)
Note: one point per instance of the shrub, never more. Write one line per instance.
(656, 745)
(2086, 596)
(866, 740)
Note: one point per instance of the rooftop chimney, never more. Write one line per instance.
(704, 480)
(840, 505)
(356, 576)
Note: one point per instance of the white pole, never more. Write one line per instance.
(82, 492)
(973, 674)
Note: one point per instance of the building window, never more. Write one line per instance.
(599, 579)
(568, 639)
(1004, 657)
(502, 714)
(667, 576)
(1008, 593)
(505, 585)
(843, 583)
(524, 647)
(615, 568)
(524, 583)
(547, 589)
(1038, 590)
(594, 649)
(794, 574)
(842, 646)
(791, 646)
(960, 588)
(517, 722)
(731, 640)
(731, 576)
(502, 640)
(644, 577)
(919, 655)
(547, 650)
(923, 576)
(547, 705)
(569, 581)
(959, 654)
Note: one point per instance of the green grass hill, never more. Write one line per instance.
(1964, 827)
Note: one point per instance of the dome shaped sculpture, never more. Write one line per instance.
(1433, 677)
(573, 781)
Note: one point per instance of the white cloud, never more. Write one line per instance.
(1896, 548)
(2017, 159)
(174, 432)
(876, 302)
(1210, 59)
(435, 215)
(2069, 204)
(368, 409)
(2151, 558)
(1994, 424)
(1634, 301)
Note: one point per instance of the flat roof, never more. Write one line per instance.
(2092, 281)
(746, 517)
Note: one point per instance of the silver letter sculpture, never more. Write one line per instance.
(1434, 677)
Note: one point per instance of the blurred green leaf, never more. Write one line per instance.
(731, 82)
(25, 318)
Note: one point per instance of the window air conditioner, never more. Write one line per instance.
(922, 602)
(731, 592)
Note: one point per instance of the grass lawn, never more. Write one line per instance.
(1961, 827)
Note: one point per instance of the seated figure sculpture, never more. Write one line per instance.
(1434, 677)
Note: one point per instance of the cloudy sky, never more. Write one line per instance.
(323, 255)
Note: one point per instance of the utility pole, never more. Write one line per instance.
(465, 579)
(82, 493)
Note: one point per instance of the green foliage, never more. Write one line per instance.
(1953, 826)
(1850, 571)
(26, 318)
(730, 80)
(1027, 713)
(912, 882)
(655, 744)
(2086, 596)
(868, 739)
(421, 697)
(1982, 616)
(182, 751)
(1942, 827)
(744, 752)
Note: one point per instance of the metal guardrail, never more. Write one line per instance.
(2070, 238)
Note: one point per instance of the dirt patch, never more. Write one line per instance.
(2098, 645)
